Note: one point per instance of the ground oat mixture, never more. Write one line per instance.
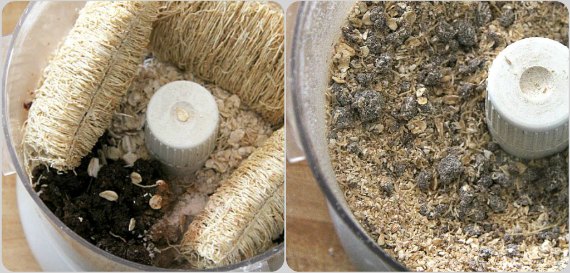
(411, 149)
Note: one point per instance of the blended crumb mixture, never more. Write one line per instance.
(411, 149)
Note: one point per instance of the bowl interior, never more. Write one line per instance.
(41, 29)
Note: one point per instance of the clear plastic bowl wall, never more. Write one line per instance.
(317, 28)
(39, 32)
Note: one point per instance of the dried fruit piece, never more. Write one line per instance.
(445, 31)
(483, 15)
(507, 18)
(343, 117)
(378, 17)
(423, 180)
(368, 104)
(497, 204)
(466, 34)
(512, 250)
(384, 63)
(485, 253)
(449, 169)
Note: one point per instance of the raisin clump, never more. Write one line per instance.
(409, 108)
(485, 253)
(368, 104)
(364, 78)
(383, 64)
(341, 94)
(445, 32)
(507, 18)
(449, 169)
(483, 14)
(466, 34)
(343, 117)
(466, 89)
(423, 180)
(374, 42)
(378, 18)
(497, 204)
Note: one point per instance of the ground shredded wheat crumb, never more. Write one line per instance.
(410, 147)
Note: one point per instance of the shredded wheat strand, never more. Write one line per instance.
(236, 45)
(85, 82)
(244, 215)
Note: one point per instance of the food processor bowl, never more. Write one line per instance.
(316, 31)
(41, 28)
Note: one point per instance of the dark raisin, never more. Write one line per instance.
(485, 253)
(471, 66)
(485, 181)
(502, 179)
(507, 18)
(398, 38)
(466, 34)
(388, 188)
(466, 194)
(483, 14)
(384, 63)
(343, 117)
(493, 146)
(364, 78)
(523, 200)
(374, 42)
(369, 105)
(378, 18)
(473, 230)
(531, 174)
(449, 169)
(512, 250)
(497, 204)
(440, 210)
(341, 94)
(408, 108)
(482, 163)
(445, 32)
(479, 214)
(404, 86)
(353, 148)
(423, 180)
(352, 35)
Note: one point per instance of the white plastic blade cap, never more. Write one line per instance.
(527, 98)
(182, 125)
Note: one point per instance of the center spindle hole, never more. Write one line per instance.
(536, 82)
